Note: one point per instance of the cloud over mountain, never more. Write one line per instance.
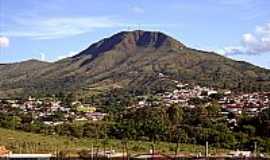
(4, 41)
(57, 27)
(253, 43)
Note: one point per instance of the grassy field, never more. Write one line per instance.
(23, 142)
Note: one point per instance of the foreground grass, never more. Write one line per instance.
(24, 142)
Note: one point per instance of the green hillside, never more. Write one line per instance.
(25, 142)
(131, 60)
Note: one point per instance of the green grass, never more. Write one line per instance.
(24, 142)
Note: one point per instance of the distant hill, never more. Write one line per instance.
(134, 60)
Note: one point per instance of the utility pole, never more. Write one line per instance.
(177, 144)
(92, 152)
(20, 150)
(104, 148)
(255, 149)
(123, 147)
(111, 152)
(176, 149)
(126, 146)
(206, 149)
(97, 151)
(153, 151)
(13, 120)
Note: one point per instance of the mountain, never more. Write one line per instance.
(134, 60)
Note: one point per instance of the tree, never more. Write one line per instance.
(249, 129)
(175, 114)
(11, 122)
(213, 109)
(264, 123)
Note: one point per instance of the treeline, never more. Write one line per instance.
(196, 126)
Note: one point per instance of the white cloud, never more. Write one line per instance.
(58, 27)
(137, 9)
(253, 43)
(249, 39)
(263, 29)
(42, 56)
(4, 42)
(35, 27)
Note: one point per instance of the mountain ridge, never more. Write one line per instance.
(132, 59)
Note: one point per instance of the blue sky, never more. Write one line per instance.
(53, 29)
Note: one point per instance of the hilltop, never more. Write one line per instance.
(133, 60)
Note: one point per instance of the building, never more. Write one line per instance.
(4, 151)
(240, 153)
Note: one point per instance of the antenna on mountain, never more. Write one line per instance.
(128, 28)
(139, 27)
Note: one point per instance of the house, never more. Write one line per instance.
(4, 151)
(95, 116)
(80, 119)
(233, 108)
(210, 92)
(85, 109)
(240, 153)
(111, 154)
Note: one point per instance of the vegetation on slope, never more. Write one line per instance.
(132, 59)
(23, 142)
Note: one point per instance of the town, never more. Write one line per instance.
(51, 111)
